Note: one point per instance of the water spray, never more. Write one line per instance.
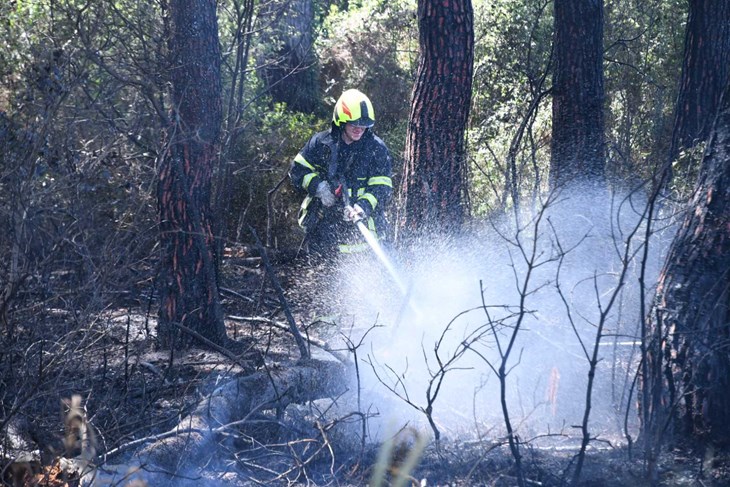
(374, 244)
(385, 260)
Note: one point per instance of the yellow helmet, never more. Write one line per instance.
(355, 108)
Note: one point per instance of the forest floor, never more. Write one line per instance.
(133, 392)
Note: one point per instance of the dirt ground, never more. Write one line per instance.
(132, 391)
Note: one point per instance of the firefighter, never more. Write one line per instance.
(346, 174)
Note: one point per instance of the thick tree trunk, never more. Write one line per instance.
(434, 177)
(704, 73)
(577, 147)
(187, 285)
(692, 315)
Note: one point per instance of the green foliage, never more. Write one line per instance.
(644, 45)
(512, 55)
(277, 136)
(261, 159)
(643, 53)
(372, 47)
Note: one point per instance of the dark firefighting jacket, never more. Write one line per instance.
(363, 168)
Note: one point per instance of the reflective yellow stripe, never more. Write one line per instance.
(359, 247)
(380, 180)
(308, 179)
(371, 226)
(303, 210)
(299, 159)
(370, 199)
(306, 202)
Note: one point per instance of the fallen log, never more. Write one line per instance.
(230, 404)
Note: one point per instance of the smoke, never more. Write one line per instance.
(529, 294)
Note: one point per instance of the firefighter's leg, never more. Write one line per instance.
(322, 241)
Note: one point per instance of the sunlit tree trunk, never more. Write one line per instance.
(691, 320)
(704, 73)
(434, 176)
(187, 285)
(577, 147)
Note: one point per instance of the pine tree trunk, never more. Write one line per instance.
(692, 312)
(577, 147)
(434, 180)
(187, 284)
(704, 73)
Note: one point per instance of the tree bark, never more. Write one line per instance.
(187, 285)
(577, 146)
(434, 177)
(704, 73)
(691, 321)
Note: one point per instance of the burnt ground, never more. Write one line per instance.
(133, 391)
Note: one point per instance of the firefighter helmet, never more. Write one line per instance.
(355, 108)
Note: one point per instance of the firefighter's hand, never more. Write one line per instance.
(324, 193)
(354, 213)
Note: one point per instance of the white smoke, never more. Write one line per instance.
(473, 291)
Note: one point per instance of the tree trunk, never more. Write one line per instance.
(434, 177)
(704, 73)
(577, 146)
(291, 74)
(187, 285)
(692, 316)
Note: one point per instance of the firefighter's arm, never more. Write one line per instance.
(379, 187)
(377, 193)
(304, 175)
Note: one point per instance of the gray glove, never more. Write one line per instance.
(354, 213)
(324, 193)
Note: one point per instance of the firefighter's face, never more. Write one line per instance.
(352, 133)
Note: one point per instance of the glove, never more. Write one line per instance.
(324, 193)
(354, 213)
